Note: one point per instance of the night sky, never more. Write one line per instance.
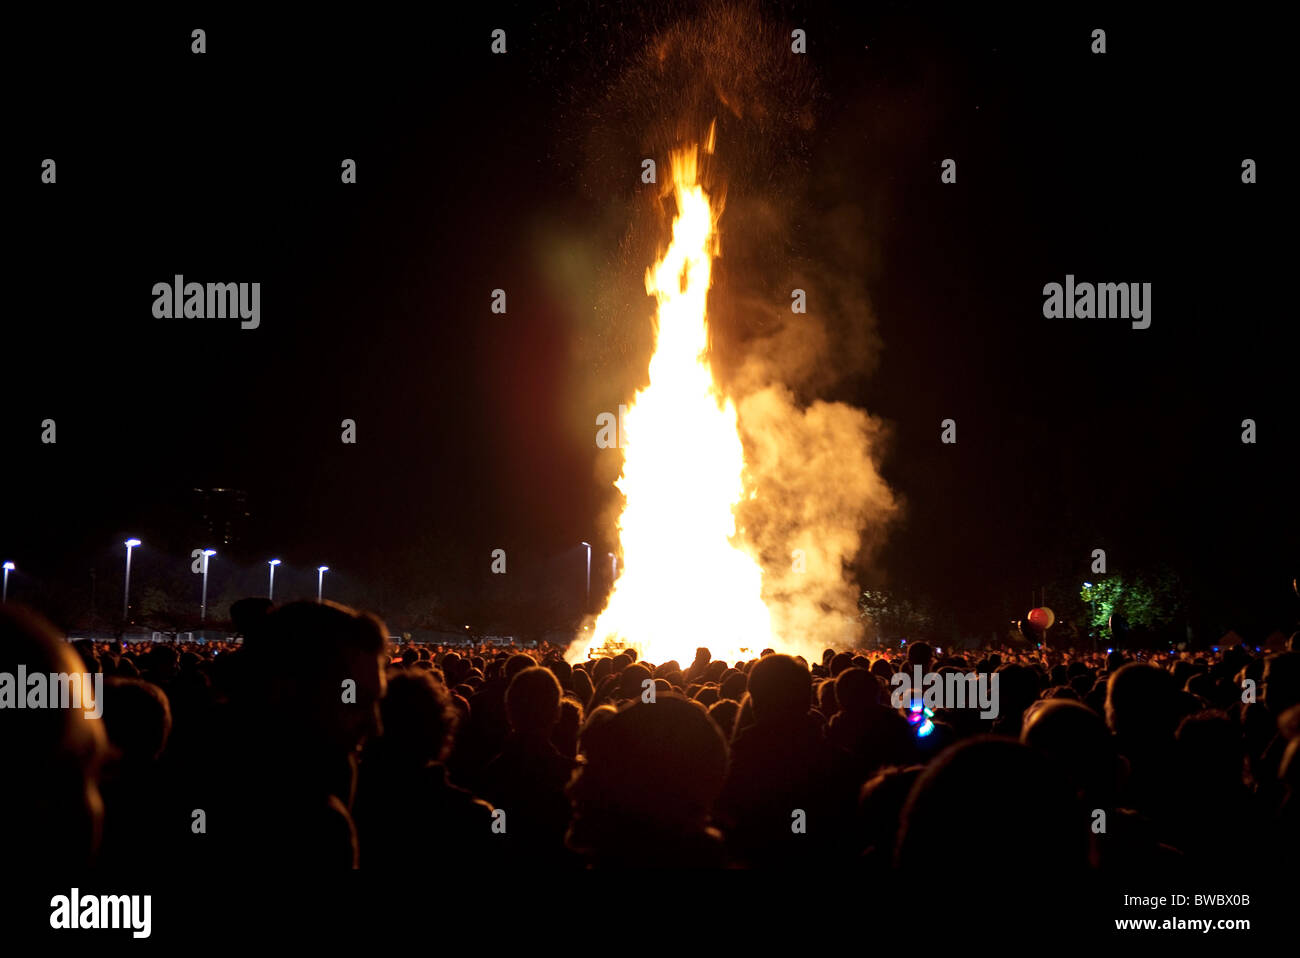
(476, 431)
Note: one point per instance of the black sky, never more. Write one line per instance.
(224, 167)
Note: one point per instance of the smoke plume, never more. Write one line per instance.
(817, 507)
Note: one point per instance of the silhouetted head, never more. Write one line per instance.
(857, 691)
(516, 664)
(664, 668)
(565, 735)
(126, 668)
(1017, 689)
(630, 683)
(162, 662)
(651, 769)
(533, 701)
(920, 653)
(319, 668)
(880, 806)
(733, 685)
(1009, 807)
(137, 717)
(706, 695)
(724, 712)
(1077, 738)
(563, 671)
(419, 719)
(1140, 703)
(595, 718)
(780, 689)
(826, 701)
(49, 757)
(249, 615)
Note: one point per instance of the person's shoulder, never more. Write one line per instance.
(465, 800)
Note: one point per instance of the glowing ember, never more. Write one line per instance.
(682, 582)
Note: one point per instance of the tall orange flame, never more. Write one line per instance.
(684, 582)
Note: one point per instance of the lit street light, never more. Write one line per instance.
(126, 586)
(1092, 614)
(613, 566)
(9, 567)
(587, 545)
(270, 589)
(320, 581)
(203, 606)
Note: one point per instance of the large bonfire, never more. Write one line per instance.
(684, 580)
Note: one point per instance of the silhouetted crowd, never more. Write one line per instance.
(315, 744)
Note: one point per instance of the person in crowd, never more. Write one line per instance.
(280, 787)
(138, 720)
(779, 803)
(51, 758)
(996, 810)
(527, 779)
(402, 774)
(645, 795)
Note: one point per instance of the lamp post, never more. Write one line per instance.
(1092, 614)
(9, 567)
(320, 581)
(587, 546)
(126, 586)
(203, 605)
(270, 588)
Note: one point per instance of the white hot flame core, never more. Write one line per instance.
(683, 582)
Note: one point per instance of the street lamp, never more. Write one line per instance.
(320, 580)
(587, 545)
(1092, 614)
(270, 589)
(613, 566)
(203, 606)
(9, 567)
(126, 586)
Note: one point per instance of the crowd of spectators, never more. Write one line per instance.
(316, 743)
